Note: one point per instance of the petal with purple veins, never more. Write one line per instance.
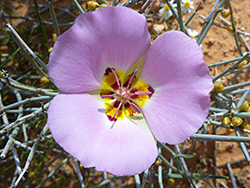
(109, 37)
(175, 69)
(79, 124)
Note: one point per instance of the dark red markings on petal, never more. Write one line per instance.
(132, 92)
(151, 90)
(107, 71)
(115, 86)
(129, 109)
(116, 103)
(111, 118)
(126, 105)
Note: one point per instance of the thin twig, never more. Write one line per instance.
(221, 138)
(31, 155)
(79, 174)
(24, 118)
(231, 175)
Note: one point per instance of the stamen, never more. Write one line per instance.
(117, 80)
(108, 96)
(118, 108)
(143, 93)
(135, 108)
(123, 98)
(130, 80)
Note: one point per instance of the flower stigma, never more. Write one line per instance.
(123, 95)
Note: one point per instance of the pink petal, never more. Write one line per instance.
(175, 69)
(78, 123)
(109, 37)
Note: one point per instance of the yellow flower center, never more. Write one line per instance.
(123, 95)
(166, 7)
(187, 4)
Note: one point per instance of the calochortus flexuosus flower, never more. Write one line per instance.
(119, 94)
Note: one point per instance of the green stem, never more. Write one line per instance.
(234, 29)
(41, 25)
(54, 19)
(78, 6)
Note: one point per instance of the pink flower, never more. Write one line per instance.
(110, 110)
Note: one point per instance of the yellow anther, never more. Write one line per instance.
(54, 37)
(166, 7)
(226, 121)
(225, 13)
(92, 5)
(218, 86)
(187, 4)
(237, 121)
